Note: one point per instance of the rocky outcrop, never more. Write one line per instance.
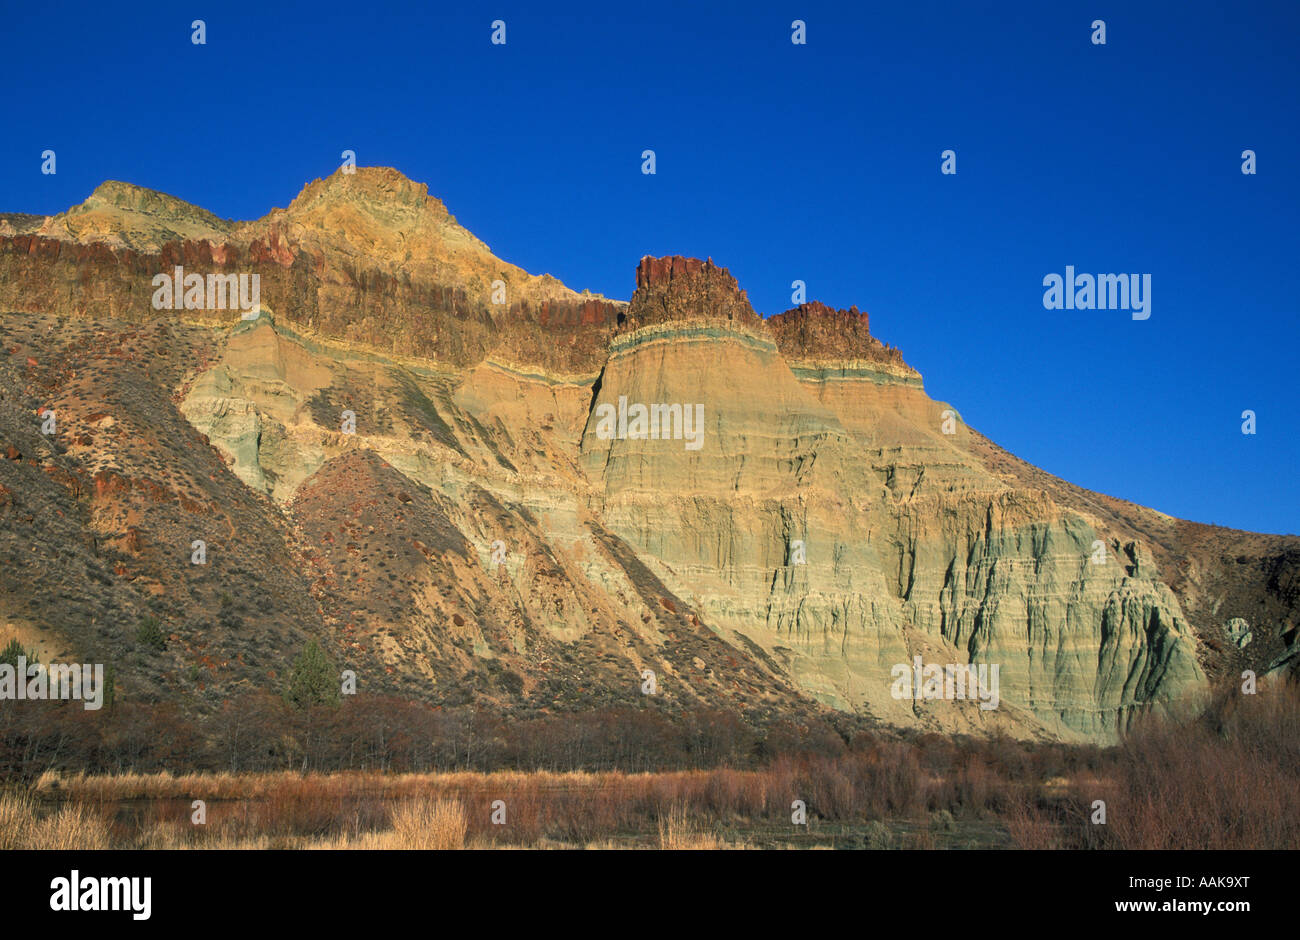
(367, 258)
(815, 338)
(678, 288)
(842, 561)
(771, 515)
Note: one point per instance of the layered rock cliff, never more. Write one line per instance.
(528, 503)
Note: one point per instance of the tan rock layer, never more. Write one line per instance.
(833, 522)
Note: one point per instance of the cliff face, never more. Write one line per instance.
(806, 525)
(671, 289)
(369, 258)
(530, 503)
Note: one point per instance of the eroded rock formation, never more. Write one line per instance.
(385, 458)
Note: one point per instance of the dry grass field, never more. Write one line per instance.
(1231, 780)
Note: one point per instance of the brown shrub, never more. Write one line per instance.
(426, 824)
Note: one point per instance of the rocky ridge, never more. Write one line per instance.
(477, 536)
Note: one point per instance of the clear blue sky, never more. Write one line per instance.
(817, 162)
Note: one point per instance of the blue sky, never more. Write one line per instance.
(817, 162)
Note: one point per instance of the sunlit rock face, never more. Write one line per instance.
(480, 485)
(826, 517)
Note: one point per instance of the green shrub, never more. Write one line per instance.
(877, 836)
(13, 650)
(150, 634)
(313, 680)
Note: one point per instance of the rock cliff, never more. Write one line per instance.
(530, 498)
